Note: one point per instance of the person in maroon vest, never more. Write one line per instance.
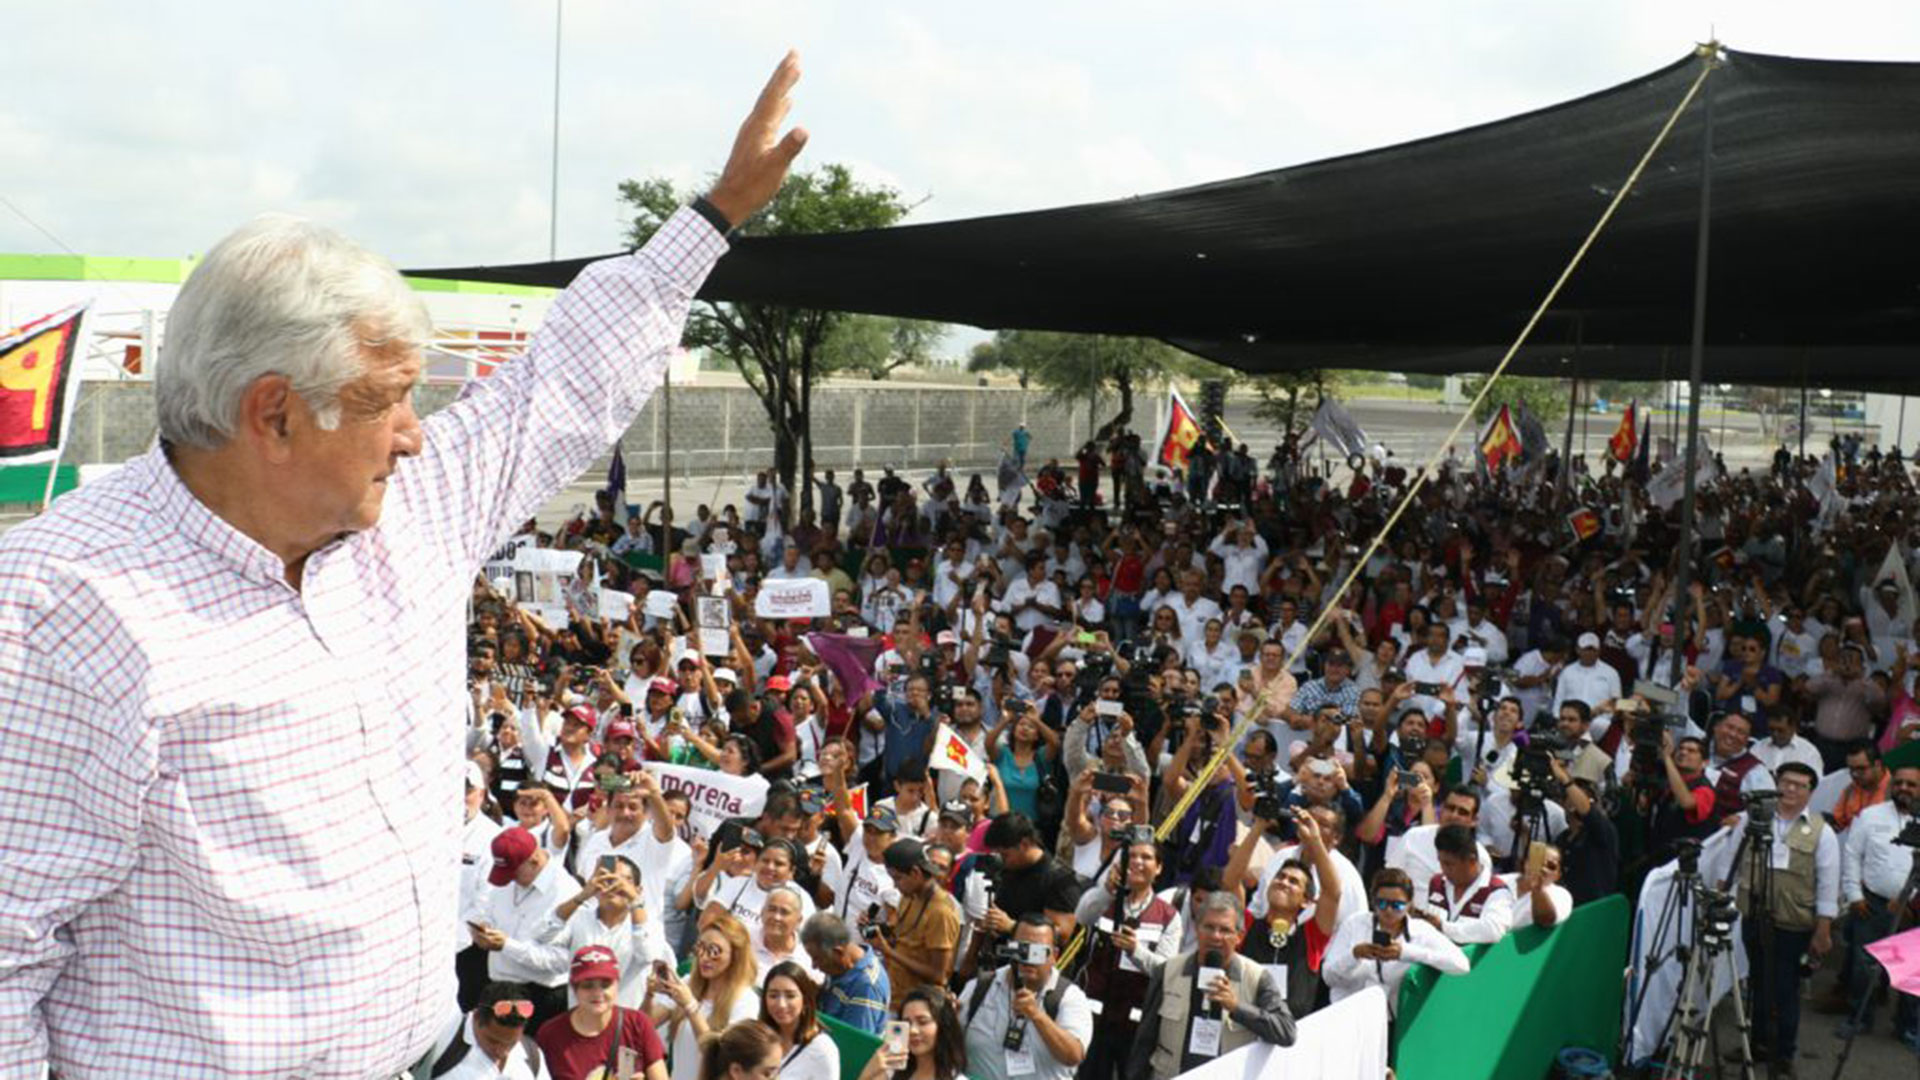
(1134, 932)
(1732, 768)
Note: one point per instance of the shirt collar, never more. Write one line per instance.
(177, 509)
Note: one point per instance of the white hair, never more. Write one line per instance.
(279, 296)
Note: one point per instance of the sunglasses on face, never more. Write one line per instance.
(706, 950)
(504, 1009)
(1384, 904)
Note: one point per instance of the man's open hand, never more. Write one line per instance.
(758, 164)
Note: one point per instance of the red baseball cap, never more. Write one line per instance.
(663, 685)
(779, 682)
(583, 714)
(620, 729)
(511, 849)
(594, 962)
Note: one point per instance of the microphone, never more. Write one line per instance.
(1210, 959)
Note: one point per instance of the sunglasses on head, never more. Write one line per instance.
(503, 1010)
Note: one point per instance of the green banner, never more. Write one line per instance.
(1527, 997)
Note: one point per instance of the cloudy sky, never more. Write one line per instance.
(423, 127)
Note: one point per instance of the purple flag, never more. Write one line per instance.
(850, 659)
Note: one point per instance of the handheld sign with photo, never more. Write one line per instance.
(713, 619)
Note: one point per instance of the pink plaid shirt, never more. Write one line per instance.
(230, 812)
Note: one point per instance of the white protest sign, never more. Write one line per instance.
(660, 604)
(715, 796)
(793, 598)
(540, 579)
(615, 604)
(712, 566)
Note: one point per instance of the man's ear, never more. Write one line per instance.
(266, 414)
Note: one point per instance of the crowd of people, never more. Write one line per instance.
(1502, 719)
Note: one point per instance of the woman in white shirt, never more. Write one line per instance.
(719, 992)
(788, 1005)
(1357, 959)
(936, 1043)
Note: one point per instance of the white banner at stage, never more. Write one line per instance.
(715, 796)
(1343, 1040)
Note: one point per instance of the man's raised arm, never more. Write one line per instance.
(492, 458)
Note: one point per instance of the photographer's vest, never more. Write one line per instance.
(1792, 906)
(1176, 1005)
(1116, 991)
(1726, 790)
(1471, 907)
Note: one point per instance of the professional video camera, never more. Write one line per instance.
(990, 868)
(1715, 915)
(1000, 650)
(1533, 781)
(1022, 952)
(1133, 834)
(1269, 802)
(1643, 764)
(1761, 807)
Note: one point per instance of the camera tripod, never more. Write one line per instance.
(1690, 1042)
(1901, 920)
(1664, 943)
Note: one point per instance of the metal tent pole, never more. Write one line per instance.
(666, 465)
(1683, 578)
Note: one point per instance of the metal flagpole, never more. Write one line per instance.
(666, 465)
(1683, 578)
(553, 181)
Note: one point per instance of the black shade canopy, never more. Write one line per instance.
(1428, 256)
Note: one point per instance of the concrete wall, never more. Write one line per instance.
(718, 430)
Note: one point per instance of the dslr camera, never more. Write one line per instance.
(1031, 953)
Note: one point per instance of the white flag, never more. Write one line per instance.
(951, 752)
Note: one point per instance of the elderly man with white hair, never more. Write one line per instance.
(234, 670)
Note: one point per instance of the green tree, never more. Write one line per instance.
(1080, 367)
(876, 346)
(779, 350)
(988, 356)
(1288, 399)
(1546, 397)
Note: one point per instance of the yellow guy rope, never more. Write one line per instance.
(1708, 53)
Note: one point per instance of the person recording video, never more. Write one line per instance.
(1023, 1019)
(1133, 933)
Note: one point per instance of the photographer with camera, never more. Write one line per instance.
(1582, 759)
(921, 938)
(1096, 835)
(906, 728)
(1023, 1018)
(1205, 835)
(1133, 933)
(1589, 845)
(1101, 719)
(1208, 1001)
(1016, 878)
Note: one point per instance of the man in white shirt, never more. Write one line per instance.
(1432, 670)
(1873, 870)
(1539, 899)
(528, 886)
(1190, 607)
(1465, 900)
(1416, 854)
(1033, 601)
(1589, 680)
(1242, 553)
(1475, 629)
(1535, 676)
(643, 824)
(1784, 743)
(1794, 642)
(493, 1042)
(611, 911)
(476, 861)
(1052, 1043)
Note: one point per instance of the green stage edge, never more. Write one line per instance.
(1527, 997)
(28, 483)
